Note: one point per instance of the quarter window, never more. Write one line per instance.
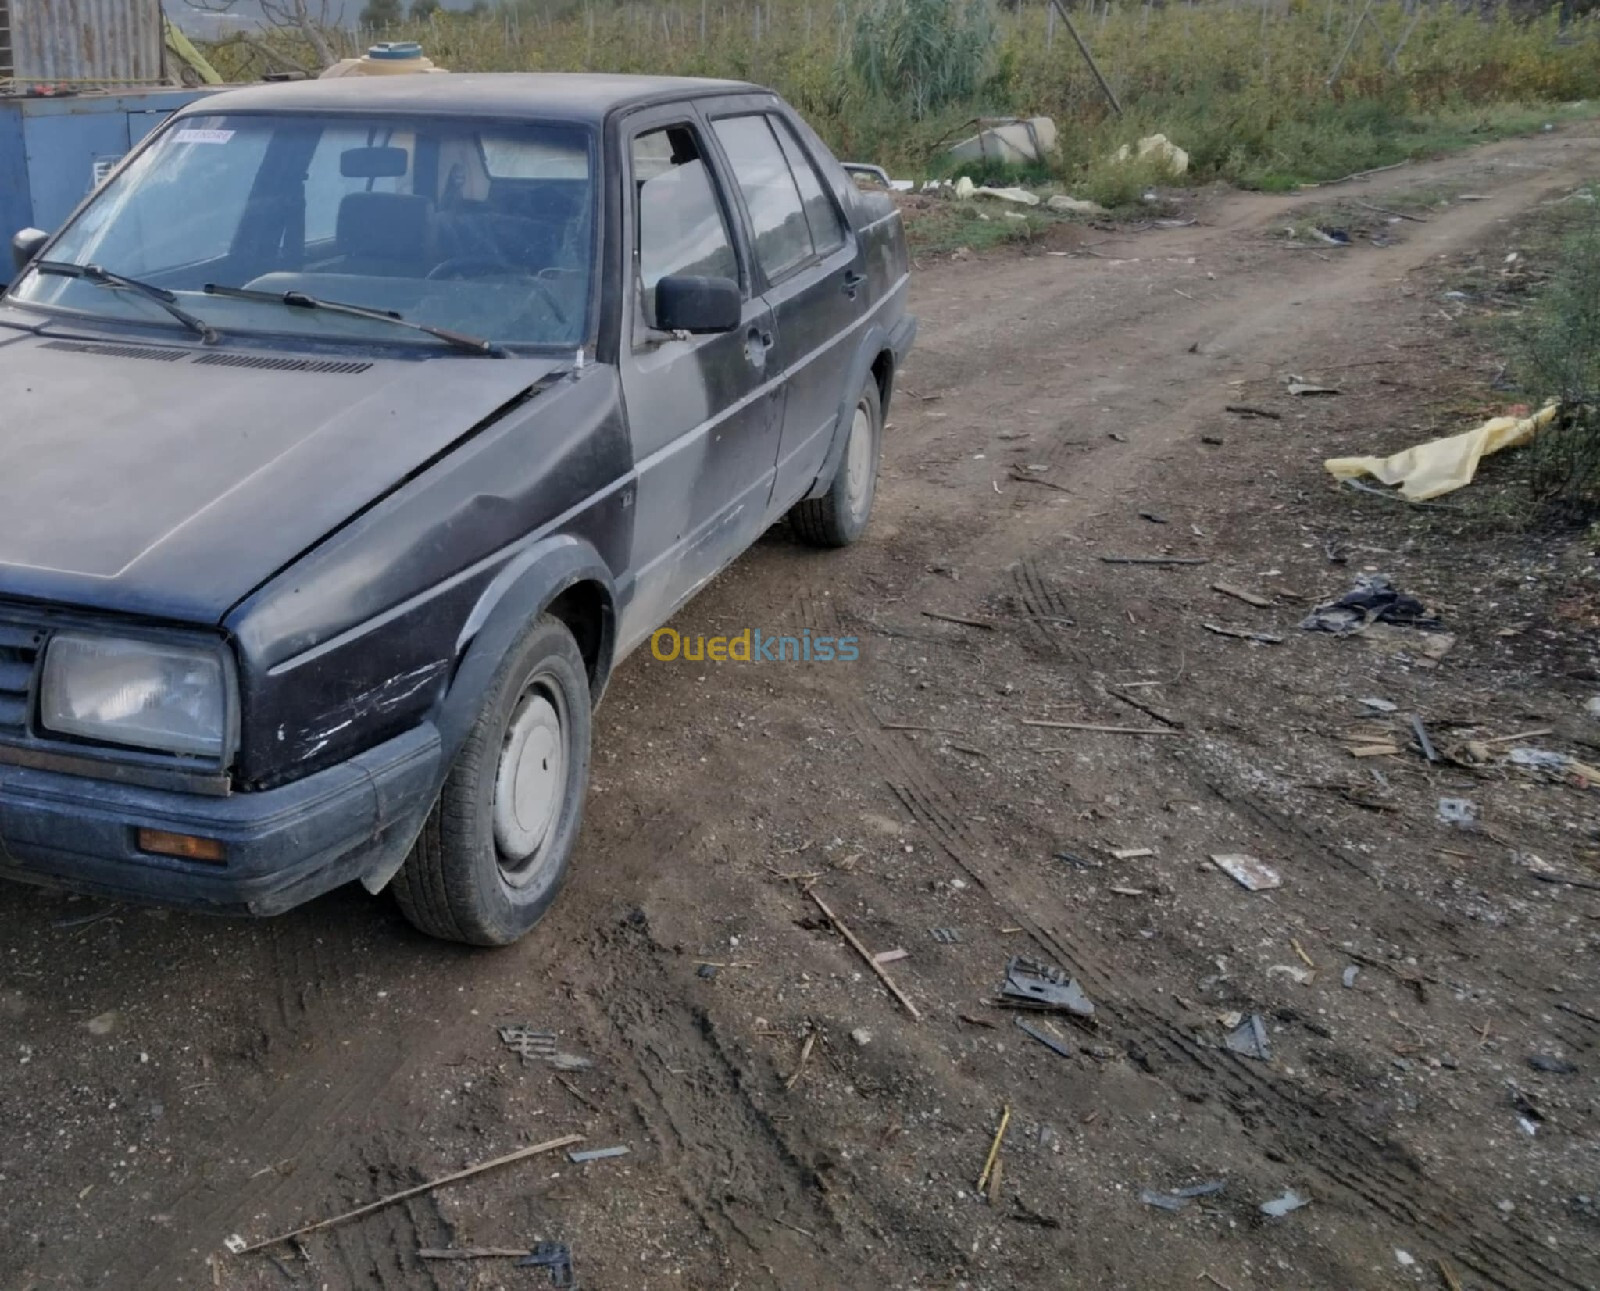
(679, 221)
(777, 215)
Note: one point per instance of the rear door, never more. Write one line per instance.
(810, 271)
(704, 412)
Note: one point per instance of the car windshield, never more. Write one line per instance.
(483, 228)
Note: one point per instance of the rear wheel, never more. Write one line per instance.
(839, 516)
(496, 847)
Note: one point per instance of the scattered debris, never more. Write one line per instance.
(1374, 750)
(1172, 158)
(866, 954)
(1239, 594)
(1373, 599)
(1333, 237)
(1443, 465)
(1074, 205)
(1249, 1039)
(1552, 1066)
(554, 1256)
(1380, 705)
(861, 1037)
(1423, 742)
(1248, 872)
(1302, 389)
(1178, 1198)
(992, 1164)
(1259, 638)
(706, 971)
(1008, 140)
(1461, 812)
(472, 1252)
(1131, 853)
(806, 1046)
(1025, 1214)
(1304, 976)
(1152, 517)
(1349, 976)
(522, 1154)
(103, 1023)
(1103, 730)
(892, 956)
(945, 936)
(1045, 1038)
(1249, 410)
(531, 1043)
(598, 1154)
(1039, 986)
(1144, 706)
(956, 618)
(1405, 1259)
(1278, 1207)
(965, 189)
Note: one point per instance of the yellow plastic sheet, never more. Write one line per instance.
(1443, 465)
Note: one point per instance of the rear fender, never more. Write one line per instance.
(874, 341)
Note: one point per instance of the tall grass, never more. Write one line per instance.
(1243, 87)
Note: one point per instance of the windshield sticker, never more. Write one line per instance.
(203, 136)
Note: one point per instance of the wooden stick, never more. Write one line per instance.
(867, 955)
(1264, 638)
(1249, 410)
(1103, 730)
(1156, 560)
(1399, 215)
(472, 1253)
(522, 1154)
(994, 1148)
(1239, 594)
(1521, 735)
(956, 618)
(1083, 49)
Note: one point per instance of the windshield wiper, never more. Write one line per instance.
(300, 300)
(121, 282)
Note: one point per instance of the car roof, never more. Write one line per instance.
(562, 96)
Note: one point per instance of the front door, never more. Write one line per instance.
(704, 412)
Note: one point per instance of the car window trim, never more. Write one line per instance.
(647, 120)
(828, 195)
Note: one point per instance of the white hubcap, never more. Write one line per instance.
(858, 459)
(531, 780)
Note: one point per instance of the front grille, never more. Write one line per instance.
(266, 363)
(19, 654)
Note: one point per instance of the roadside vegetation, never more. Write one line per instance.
(1260, 95)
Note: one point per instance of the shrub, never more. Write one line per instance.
(1560, 359)
(923, 54)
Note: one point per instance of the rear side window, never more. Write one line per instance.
(681, 229)
(777, 214)
(827, 233)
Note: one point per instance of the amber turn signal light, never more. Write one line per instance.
(186, 847)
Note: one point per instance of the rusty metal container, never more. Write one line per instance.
(81, 43)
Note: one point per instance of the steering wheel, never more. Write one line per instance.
(463, 268)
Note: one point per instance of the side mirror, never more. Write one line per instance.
(25, 244)
(698, 305)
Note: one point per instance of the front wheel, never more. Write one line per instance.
(495, 849)
(839, 516)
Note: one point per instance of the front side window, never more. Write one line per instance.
(677, 217)
(479, 227)
(777, 216)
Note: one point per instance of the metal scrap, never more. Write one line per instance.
(1249, 1039)
(554, 1256)
(598, 1154)
(1178, 1198)
(1033, 985)
(1278, 1207)
(1045, 1038)
(1247, 871)
(531, 1043)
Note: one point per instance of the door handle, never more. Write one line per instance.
(852, 282)
(756, 345)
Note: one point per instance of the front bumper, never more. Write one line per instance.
(283, 846)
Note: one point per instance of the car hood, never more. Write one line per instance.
(171, 481)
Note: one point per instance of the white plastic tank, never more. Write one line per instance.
(391, 58)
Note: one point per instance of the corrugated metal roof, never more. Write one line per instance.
(85, 42)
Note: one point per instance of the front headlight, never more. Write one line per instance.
(140, 693)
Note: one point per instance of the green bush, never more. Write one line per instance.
(923, 54)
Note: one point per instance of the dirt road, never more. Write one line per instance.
(170, 1081)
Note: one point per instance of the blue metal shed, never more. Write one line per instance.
(55, 149)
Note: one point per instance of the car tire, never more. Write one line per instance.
(495, 849)
(840, 515)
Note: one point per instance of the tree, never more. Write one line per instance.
(307, 19)
(421, 10)
(377, 14)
